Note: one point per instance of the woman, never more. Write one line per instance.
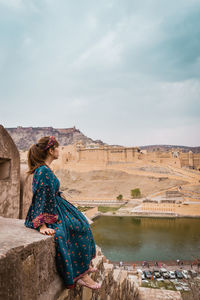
(51, 214)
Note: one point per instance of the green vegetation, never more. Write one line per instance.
(167, 285)
(192, 286)
(107, 208)
(83, 208)
(136, 193)
(119, 197)
(101, 208)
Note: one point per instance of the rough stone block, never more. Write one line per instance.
(86, 294)
(28, 269)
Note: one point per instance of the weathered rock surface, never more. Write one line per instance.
(28, 270)
(157, 294)
(9, 176)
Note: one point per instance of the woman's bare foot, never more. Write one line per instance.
(87, 279)
(92, 270)
(88, 282)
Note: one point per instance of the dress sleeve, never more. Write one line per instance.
(44, 202)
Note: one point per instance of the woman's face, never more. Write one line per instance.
(54, 152)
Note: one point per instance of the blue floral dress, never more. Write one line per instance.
(75, 246)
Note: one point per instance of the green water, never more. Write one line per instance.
(137, 239)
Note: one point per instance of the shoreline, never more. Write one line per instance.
(144, 216)
(163, 263)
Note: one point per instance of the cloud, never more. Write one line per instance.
(107, 67)
(104, 54)
(11, 3)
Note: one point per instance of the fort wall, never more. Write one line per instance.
(105, 155)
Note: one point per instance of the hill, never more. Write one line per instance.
(165, 148)
(24, 137)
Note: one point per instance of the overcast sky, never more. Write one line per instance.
(123, 71)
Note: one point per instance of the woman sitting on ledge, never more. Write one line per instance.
(50, 213)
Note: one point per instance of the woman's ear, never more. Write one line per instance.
(51, 151)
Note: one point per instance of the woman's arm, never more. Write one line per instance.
(44, 204)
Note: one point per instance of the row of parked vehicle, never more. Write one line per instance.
(164, 274)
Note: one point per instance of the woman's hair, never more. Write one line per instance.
(37, 153)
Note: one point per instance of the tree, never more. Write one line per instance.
(136, 193)
(119, 197)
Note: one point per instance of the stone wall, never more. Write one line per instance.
(26, 193)
(28, 270)
(159, 207)
(190, 159)
(9, 176)
(72, 155)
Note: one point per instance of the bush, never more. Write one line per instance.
(83, 208)
(135, 193)
(119, 197)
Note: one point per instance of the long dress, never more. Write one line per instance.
(75, 245)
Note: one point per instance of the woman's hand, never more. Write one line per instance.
(45, 230)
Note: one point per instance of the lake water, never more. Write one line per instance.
(138, 239)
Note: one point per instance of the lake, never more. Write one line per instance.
(138, 239)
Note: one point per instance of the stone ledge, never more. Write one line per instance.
(28, 269)
(24, 253)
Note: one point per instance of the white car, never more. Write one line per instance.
(160, 279)
(163, 270)
(172, 275)
(185, 274)
(139, 271)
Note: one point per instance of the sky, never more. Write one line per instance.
(126, 72)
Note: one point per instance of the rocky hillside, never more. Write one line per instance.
(151, 148)
(24, 137)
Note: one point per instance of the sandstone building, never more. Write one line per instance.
(105, 155)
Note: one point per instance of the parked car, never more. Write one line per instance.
(160, 279)
(163, 270)
(172, 275)
(139, 271)
(166, 275)
(179, 275)
(192, 273)
(185, 274)
(147, 274)
(156, 273)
